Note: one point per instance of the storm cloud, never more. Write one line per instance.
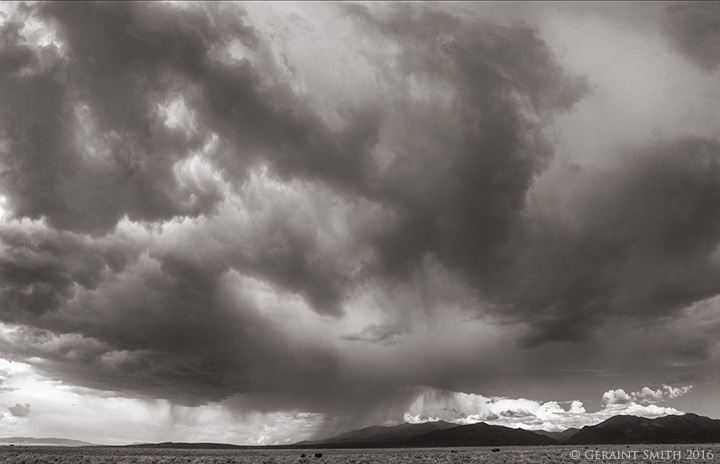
(320, 211)
(695, 30)
(637, 241)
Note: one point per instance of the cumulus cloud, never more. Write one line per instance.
(20, 410)
(467, 408)
(647, 395)
(616, 397)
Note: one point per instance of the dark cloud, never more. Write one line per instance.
(89, 145)
(642, 238)
(694, 28)
(183, 260)
(41, 268)
(107, 82)
(462, 163)
(121, 63)
(125, 60)
(639, 242)
(177, 327)
(20, 410)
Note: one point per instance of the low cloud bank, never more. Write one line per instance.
(468, 408)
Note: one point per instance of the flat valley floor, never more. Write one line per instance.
(615, 454)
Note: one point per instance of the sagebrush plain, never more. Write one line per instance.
(505, 455)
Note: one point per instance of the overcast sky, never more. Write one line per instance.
(267, 222)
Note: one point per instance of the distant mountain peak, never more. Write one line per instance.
(439, 433)
(687, 428)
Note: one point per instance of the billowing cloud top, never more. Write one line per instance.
(315, 209)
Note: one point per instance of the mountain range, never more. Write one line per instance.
(673, 429)
(687, 428)
(28, 441)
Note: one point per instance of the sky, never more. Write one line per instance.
(259, 223)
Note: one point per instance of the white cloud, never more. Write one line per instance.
(468, 408)
(616, 397)
(672, 392)
(645, 396)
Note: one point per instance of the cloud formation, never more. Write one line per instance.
(316, 211)
(20, 410)
(636, 241)
(121, 153)
(644, 396)
(468, 408)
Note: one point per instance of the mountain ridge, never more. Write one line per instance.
(671, 429)
(383, 434)
(620, 429)
(562, 436)
(45, 441)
